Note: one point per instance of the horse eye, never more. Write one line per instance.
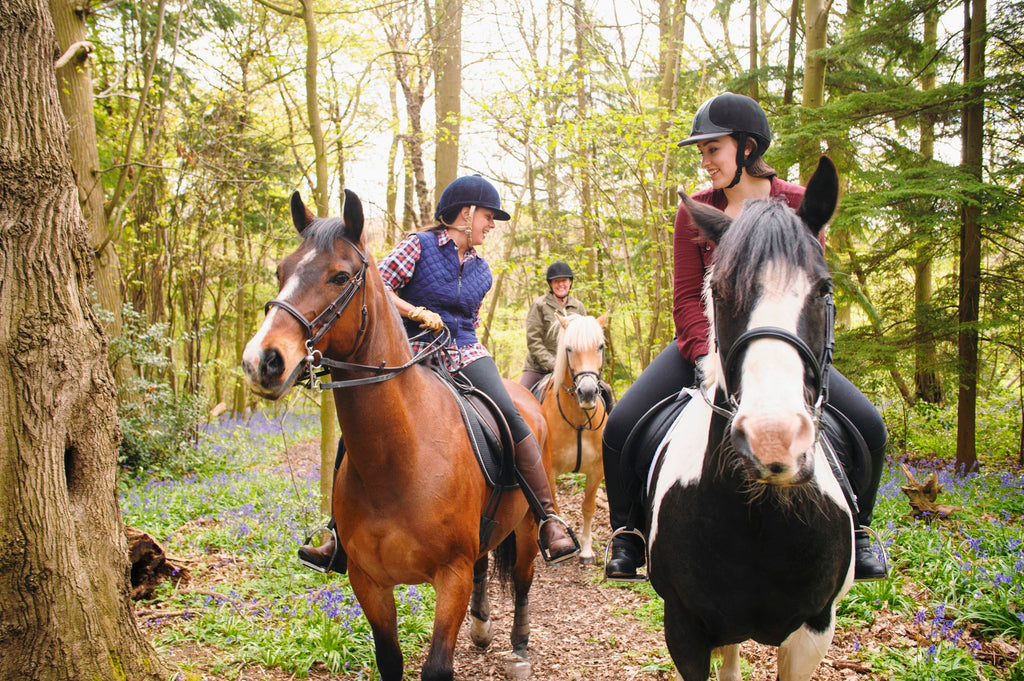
(600, 348)
(340, 278)
(825, 289)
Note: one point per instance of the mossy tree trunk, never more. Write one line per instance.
(65, 611)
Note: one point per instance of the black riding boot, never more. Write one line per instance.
(628, 551)
(867, 567)
(557, 543)
(329, 556)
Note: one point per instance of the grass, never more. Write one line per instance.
(952, 609)
(237, 521)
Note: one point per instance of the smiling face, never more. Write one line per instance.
(718, 158)
(483, 222)
(560, 287)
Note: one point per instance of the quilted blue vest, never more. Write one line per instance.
(438, 285)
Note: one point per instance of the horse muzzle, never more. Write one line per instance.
(773, 453)
(266, 371)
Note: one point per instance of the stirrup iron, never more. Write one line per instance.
(334, 556)
(572, 535)
(640, 576)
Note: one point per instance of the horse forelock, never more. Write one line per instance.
(582, 334)
(766, 234)
(323, 232)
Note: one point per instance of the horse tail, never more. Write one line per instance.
(505, 560)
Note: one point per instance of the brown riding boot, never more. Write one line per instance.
(328, 557)
(556, 540)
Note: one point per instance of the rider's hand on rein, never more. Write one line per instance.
(427, 319)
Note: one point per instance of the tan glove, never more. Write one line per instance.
(427, 319)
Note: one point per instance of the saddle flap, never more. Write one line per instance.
(488, 433)
(647, 435)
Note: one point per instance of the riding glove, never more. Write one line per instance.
(427, 319)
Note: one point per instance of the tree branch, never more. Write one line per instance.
(82, 47)
(293, 12)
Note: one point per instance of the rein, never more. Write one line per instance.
(318, 365)
(572, 390)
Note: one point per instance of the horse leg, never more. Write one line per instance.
(803, 650)
(730, 669)
(589, 504)
(480, 606)
(453, 586)
(518, 665)
(689, 650)
(378, 604)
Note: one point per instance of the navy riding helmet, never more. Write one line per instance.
(471, 190)
(735, 115)
(559, 269)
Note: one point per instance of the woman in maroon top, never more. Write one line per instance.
(731, 133)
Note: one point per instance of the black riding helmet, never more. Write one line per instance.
(559, 269)
(470, 190)
(735, 115)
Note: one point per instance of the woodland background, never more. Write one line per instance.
(192, 121)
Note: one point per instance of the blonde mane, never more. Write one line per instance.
(582, 334)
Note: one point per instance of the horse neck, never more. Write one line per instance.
(375, 418)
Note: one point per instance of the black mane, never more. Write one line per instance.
(766, 231)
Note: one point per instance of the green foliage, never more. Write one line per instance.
(158, 427)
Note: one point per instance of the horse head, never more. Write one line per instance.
(769, 301)
(312, 316)
(580, 357)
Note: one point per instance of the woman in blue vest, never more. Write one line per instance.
(437, 278)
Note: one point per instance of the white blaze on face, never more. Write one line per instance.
(292, 352)
(772, 413)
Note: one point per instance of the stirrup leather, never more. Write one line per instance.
(640, 576)
(334, 556)
(544, 551)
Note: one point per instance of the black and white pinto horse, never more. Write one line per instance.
(750, 532)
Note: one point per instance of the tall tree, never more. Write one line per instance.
(447, 39)
(64, 594)
(970, 235)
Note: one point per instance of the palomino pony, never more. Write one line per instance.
(576, 413)
(409, 495)
(750, 530)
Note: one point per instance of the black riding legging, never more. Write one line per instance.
(483, 374)
(668, 373)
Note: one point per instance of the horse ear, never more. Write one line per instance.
(710, 221)
(563, 320)
(302, 217)
(353, 216)
(821, 196)
(603, 319)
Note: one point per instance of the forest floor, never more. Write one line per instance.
(583, 627)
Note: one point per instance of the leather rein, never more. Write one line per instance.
(318, 365)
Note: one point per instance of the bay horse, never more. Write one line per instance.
(750, 530)
(409, 495)
(576, 413)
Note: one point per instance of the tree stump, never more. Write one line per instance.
(150, 564)
(922, 496)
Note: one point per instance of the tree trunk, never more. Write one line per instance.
(448, 88)
(583, 148)
(76, 100)
(753, 89)
(927, 386)
(65, 611)
(794, 19)
(816, 34)
(970, 237)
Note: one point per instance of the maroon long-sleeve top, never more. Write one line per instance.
(692, 255)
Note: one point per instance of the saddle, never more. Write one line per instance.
(488, 432)
(541, 386)
(847, 452)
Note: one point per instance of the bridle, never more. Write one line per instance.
(817, 365)
(318, 365)
(573, 389)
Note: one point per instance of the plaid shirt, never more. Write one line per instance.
(397, 268)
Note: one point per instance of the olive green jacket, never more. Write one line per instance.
(542, 331)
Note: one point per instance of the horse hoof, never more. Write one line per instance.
(587, 560)
(518, 667)
(480, 633)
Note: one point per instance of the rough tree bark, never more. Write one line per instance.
(64, 606)
(447, 34)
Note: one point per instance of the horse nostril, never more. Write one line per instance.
(273, 364)
(777, 468)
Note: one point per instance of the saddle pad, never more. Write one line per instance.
(484, 422)
(541, 386)
(647, 435)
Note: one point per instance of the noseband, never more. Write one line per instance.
(818, 366)
(316, 329)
